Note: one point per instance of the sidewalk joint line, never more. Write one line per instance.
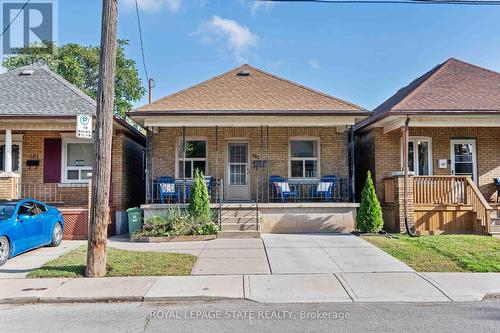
(267, 257)
(344, 285)
(435, 285)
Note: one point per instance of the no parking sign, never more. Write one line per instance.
(84, 126)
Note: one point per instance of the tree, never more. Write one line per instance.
(199, 201)
(80, 65)
(369, 218)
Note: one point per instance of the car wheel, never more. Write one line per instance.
(4, 250)
(57, 234)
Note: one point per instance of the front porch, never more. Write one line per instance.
(452, 178)
(259, 178)
(250, 164)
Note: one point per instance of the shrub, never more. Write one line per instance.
(155, 226)
(369, 218)
(208, 228)
(199, 201)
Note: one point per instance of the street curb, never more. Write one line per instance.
(90, 300)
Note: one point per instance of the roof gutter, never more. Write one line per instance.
(420, 112)
(303, 113)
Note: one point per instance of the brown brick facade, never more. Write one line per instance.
(381, 153)
(333, 149)
(127, 178)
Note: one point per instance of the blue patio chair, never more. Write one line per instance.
(284, 190)
(274, 189)
(325, 187)
(497, 183)
(167, 189)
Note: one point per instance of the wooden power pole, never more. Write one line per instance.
(101, 174)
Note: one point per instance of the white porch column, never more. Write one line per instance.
(7, 158)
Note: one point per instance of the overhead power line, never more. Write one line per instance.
(142, 43)
(15, 17)
(399, 2)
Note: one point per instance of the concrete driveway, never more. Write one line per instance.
(327, 253)
(278, 254)
(18, 267)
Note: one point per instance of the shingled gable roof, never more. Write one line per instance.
(41, 93)
(247, 90)
(451, 86)
(46, 94)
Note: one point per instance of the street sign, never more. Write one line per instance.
(84, 126)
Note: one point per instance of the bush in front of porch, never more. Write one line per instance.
(199, 200)
(369, 218)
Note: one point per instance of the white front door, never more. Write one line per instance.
(463, 158)
(238, 180)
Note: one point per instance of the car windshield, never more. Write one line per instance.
(6, 211)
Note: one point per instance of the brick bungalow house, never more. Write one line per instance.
(245, 128)
(450, 117)
(41, 158)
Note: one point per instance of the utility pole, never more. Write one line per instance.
(101, 174)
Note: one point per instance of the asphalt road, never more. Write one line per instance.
(245, 316)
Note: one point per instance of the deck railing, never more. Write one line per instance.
(479, 205)
(439, 190)
(452, 190)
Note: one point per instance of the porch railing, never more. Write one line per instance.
(184, 186)
(452, 190)
(307, 191)
(57, 194)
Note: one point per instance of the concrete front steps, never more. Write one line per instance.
(239, 221)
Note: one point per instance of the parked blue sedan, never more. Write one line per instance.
(27, 224)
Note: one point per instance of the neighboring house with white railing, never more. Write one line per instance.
(41, 157)
(450, 119)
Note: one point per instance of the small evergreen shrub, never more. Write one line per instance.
(369, 218)
(199, 201)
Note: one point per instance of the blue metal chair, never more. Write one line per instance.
(497, 183)
(325, 187)
(167, 189)
(282, 189)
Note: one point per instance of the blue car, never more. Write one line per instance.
(27, 224)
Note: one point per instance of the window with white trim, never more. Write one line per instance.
(196, 158)
(419, 156)
(304, 158)
(78, 158)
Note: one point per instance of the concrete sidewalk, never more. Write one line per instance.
(290, 288)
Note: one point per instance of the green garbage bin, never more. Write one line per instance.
(134, 220)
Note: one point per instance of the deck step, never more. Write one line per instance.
(495, 228)
(239, 226)
(238, 234)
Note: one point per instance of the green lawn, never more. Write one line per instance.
(444, 253)
(120, 263)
